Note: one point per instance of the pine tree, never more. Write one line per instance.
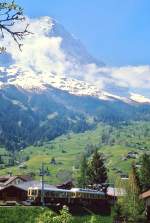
(82, 180)
(97, 172)
(145, 172)
(132, 206)
(1, 160)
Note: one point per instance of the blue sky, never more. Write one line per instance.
(115, 31)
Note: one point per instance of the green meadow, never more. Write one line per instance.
(62, 155)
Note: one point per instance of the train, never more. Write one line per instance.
(92, 199)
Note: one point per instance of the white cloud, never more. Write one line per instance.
(128, 76)
(43, 53)
(40, 52)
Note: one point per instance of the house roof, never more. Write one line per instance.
(12, 185)
(145, 195)
(35, 184)
(5, 180)
(115, 192)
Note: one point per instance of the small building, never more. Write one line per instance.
(124, 176)
(10, 189)
(132, 155)
(146, 197)
(13, 193)
(19, 192)
(114, 193)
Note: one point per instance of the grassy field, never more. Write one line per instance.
(66, 150)
(30, 215)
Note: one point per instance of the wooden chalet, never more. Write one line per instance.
(11, 188)
(13, 193)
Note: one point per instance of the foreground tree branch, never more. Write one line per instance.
(10, 14)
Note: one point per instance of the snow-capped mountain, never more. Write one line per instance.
(53, 64)
(55, 86)
(31, 81)
(54, 57)
(72, 46)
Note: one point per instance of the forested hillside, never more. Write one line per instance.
(32, 117)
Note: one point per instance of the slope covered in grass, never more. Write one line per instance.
(62, 155)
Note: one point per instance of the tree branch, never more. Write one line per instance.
(10, 14)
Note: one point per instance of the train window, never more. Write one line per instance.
(55, 194)
(29, 192)
(79, 194)
(52, 193)
(33, 192)
(61, 194)
(47, 194)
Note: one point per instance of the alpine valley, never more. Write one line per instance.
(54, 87)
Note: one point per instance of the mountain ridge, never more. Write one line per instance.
(44, 92)
(55, 55)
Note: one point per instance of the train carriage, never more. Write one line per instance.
(75, 196)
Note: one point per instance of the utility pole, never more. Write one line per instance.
(42, 189)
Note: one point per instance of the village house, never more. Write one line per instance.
(10, 189)
(146, 197)
(13, 193)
